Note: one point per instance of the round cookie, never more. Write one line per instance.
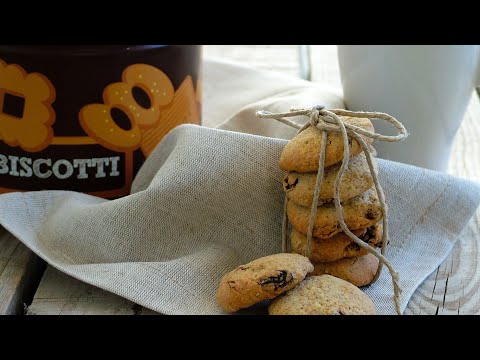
(359, 271)
(261, 279)
(338, 246)
(302, 153)
(323, 295)
(360, 212)
(356, 180)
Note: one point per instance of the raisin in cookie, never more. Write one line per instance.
(302, 153)
(261, 279)
(360, 212)
(356, 180)
(338, 246)
(323, 295)
(359, 271)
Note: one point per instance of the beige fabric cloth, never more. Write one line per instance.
(208, 200)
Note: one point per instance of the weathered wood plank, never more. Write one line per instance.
(20, 273)
(60, 294)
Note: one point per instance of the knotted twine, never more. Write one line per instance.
(329, 121)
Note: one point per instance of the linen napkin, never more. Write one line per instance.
(208, 200)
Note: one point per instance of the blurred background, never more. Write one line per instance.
(432, 89)
(288, 59)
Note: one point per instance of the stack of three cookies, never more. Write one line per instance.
(332, 251)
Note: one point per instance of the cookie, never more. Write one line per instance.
(360, 212)
(302, 153)
(356, 180)
(261, 279)
(359, 271)
(323, 295)
(338, 246)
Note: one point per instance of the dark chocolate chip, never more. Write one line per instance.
(371, 215)
(369, 234)
(353, 247)
(281, 280)
(289, 186)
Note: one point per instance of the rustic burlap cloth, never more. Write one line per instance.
(208, 200)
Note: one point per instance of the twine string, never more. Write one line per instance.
(330, 121)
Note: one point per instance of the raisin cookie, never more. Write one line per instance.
(338, 246)
(360, 212)
(356, 180)
(359, 271)
(323, 295)
(261, 279)
(302, 153)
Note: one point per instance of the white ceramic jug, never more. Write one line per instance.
(426, 87)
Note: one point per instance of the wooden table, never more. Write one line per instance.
(452, 289)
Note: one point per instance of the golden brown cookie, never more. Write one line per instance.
(360, 212)
(302, 153)
(338, 246)
(323, 295)
(359, 271)
(261, 279)
(356, 180)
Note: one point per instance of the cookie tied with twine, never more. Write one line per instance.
(328, 120)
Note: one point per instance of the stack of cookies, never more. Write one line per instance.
(333, 252)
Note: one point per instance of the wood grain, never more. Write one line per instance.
(20, 273)
(60, 294)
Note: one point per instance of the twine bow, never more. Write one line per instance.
(329, 121)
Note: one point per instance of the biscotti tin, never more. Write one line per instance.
(85, 118)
